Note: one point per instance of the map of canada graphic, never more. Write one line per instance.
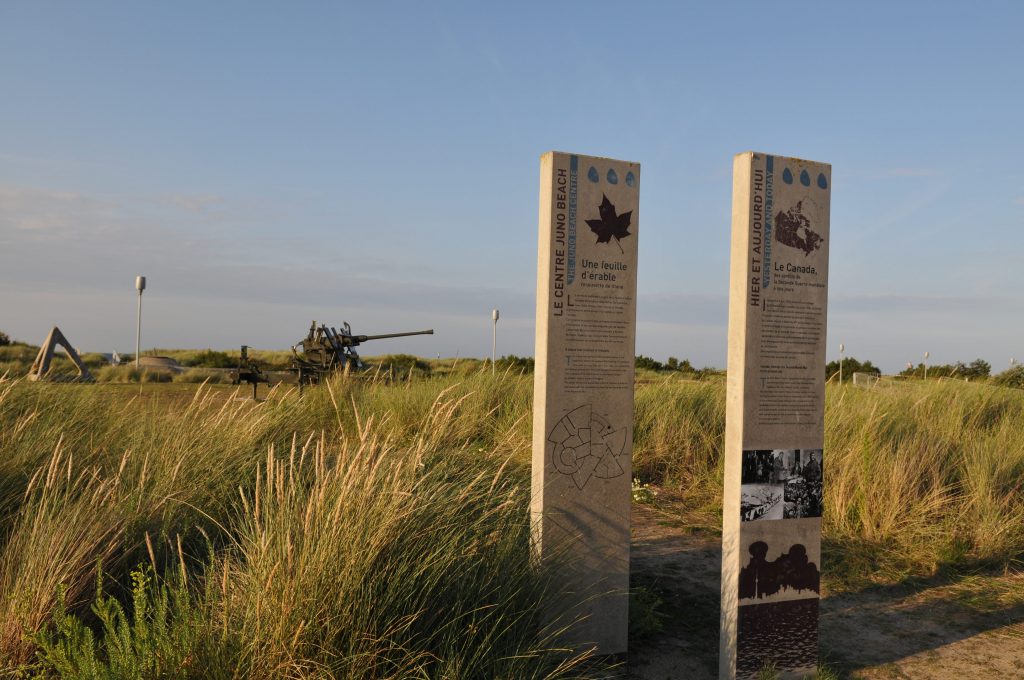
(586, 445)
(793, 228)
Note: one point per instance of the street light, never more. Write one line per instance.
(494, 339)
(140, 285)
(842, 348)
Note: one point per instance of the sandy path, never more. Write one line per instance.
(940, 631)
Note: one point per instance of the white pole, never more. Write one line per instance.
(494, 340)
(842, 347)
(140, 285)
(926, 365)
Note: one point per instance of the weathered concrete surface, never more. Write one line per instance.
(583, 391)
(778, 297)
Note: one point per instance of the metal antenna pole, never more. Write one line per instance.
(494, 340)
(140, 285)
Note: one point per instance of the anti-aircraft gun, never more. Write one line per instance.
(326, 349)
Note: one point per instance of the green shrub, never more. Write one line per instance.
(979, 369)
(648, 363)
(399, 365)
(212, 359)
(1012, 377)
(519, 364)
(850, 365)
(162, 634)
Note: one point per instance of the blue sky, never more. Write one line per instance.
(265, 164)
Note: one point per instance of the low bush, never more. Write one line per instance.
(1012, 377)
(212, 359)
(398, 366)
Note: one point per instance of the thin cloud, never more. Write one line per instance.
(909, 304)
(38, 161)
(31, 209)
(59, 244)
(190, 202)
(911, 172)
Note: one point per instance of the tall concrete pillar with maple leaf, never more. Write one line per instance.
(583, 392)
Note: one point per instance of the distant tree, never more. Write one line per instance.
(683, 366)
(402, 364)
(524, 364)
(212, 359)
(934, 371)
(851, 365)
(979, 369)
(649, 363)
(1012, 377)
(5, 339)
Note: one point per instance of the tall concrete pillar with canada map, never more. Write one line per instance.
(583, 390)
(775, 408)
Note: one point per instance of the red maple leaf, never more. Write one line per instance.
(610, 224)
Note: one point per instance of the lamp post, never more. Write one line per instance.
(140, 285)
(926, 365)
(494, 339)
(842, 348)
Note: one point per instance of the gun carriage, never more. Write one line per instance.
(248, 371)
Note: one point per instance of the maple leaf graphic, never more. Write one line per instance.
(610, 224)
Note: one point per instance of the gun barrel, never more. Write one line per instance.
(364, 338)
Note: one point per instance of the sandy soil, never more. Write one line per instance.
(973, 628)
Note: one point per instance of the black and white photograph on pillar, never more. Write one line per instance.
(781, 484)
(803, 487)
(779, 561)
(790, 575)
(762, 488)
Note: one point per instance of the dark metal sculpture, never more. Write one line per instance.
(248, 371)
(326, 349)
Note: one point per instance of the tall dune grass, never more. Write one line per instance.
(375, 529)
(332, 535)
(922, 478)
(919, 477)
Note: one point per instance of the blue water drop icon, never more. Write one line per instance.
(822, 182)
(612, 177)
(805, 179)
(592, 174)
(630, 179)
(787, 176)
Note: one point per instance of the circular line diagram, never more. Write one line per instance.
(586, 445)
